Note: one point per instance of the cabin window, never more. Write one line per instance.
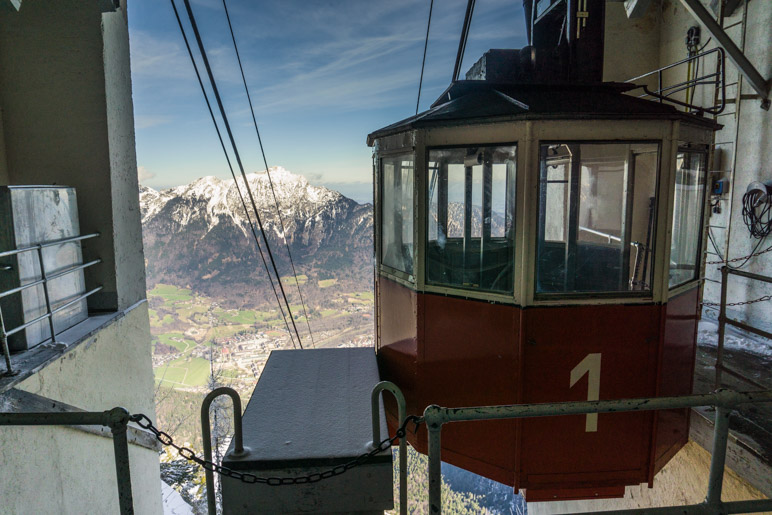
(470, 222)
(686, 242)
(397, 212)
(596, 217)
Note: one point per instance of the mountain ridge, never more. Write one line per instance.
(197, 235)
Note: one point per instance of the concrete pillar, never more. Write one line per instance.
(65, 96)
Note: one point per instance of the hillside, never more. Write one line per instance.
(198, 236)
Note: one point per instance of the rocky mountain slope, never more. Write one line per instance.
(198, 236)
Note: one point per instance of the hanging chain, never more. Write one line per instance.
(755, 254)
(760, 299)
(145, 423)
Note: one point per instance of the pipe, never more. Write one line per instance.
(206, 433)
(401, 414)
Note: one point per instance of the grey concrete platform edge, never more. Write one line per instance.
(309, 412)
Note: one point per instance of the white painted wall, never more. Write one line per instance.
(60, 470)
(67, 118)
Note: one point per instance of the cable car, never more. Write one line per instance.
(540, 241)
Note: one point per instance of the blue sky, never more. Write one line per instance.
(322, 75)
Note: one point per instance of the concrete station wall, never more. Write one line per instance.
(744, 145)
(61, 471)
(66, 117)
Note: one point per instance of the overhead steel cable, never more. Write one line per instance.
(423, 62)
(230, 167)
(265, 162)
(224, 115)
(464, 37)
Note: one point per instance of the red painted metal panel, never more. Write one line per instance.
(461, 352)
(676, 373)
(561, 452)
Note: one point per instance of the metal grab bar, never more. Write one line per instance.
(48, 244)
(718, 80)
(206, 435)
(117, 419)
(724, 400)
(401, 414)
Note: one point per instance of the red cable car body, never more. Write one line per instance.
(542, 243)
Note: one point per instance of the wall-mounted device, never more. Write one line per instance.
(720, 186)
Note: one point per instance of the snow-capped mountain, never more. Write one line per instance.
(198, 235)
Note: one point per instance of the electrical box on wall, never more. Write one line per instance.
(720, 186)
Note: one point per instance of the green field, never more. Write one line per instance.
(184, 371)
(171, 293)
(288, 279)
(326, 283)
(238, 317)
(176, 340)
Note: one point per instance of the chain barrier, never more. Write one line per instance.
(760, 299)
(755, 254)
(145, 423)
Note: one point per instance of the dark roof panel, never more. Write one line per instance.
(482, 101)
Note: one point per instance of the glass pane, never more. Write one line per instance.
(595, 219)
(687, 218)
(397, 212)
(471, 218)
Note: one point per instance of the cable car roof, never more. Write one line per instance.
(480, 101)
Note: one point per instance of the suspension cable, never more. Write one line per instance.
(423, 62)
(230, 167)
(270, 181)
(224, 115)
(462, 41)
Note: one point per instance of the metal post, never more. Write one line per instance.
(721, 326)
(6, 352)
(45, 293)
(206, 434)
(119, 420)
(434, 425)
(401, 414)
(720, 435)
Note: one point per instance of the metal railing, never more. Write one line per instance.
(724, 401)
(44, 280)
(117, 419)
(723, 320)
(717, 79)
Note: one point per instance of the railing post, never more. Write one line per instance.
(721, 326)
(433, 420)
(4, 343)
(45, 294)
(119, 420)
(206, 435)
(720, 436)
(401, 414)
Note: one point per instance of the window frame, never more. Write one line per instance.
(673, 290)
(460, 291)
(642, 295)
(408, 279)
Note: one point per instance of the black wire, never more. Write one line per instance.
(464, 37)
(265, 162)
(423, 62)
(230, 166)
(217, 97)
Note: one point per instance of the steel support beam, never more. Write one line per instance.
(745, 67)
